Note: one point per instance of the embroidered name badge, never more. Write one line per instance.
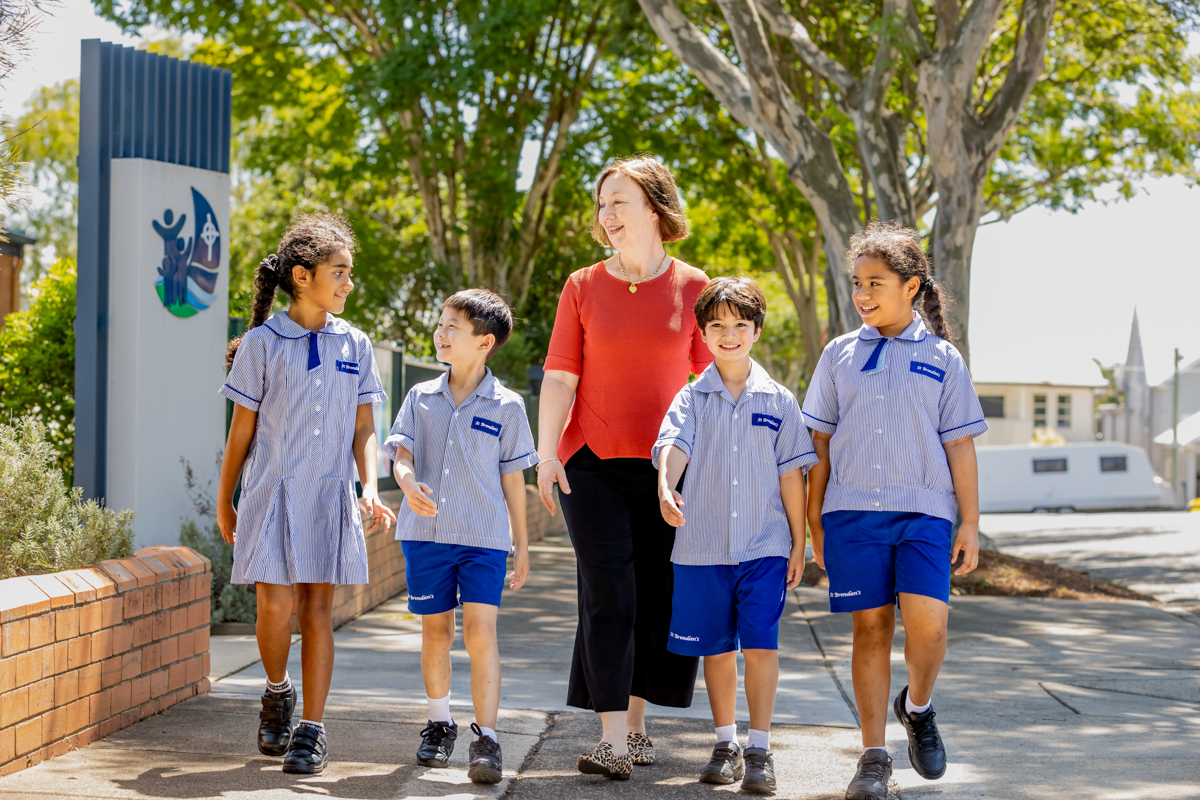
(928, 370)
(486, 425)
(348, 366)
(766, 421)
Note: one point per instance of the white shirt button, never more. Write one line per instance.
(450, 442)
(443, 499)
(735, 448)
(446, 471)
(317, 381)
(735, 481)
(317, 432)
(878, 397)
(455, 413)
(735, 513)
(735, 415)
(877, 467)
(318, 408)
(877, 504)
(876, 490)
(879, 430)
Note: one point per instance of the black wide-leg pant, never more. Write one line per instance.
(623, 556)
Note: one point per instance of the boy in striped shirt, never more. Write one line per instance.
(460, 443)
(740, 534)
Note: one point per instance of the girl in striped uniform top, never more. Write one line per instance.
(894, 415)
(303, 383)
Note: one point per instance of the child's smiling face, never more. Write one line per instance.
(729, 337)
(455, 339)
(328, 285)
(883, 300)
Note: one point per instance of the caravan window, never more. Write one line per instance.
(1113, 464)
(1049, 465)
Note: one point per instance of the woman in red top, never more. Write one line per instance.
(625, 338)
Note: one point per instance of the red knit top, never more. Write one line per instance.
(632, 353)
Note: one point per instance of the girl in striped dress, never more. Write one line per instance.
(303, 383)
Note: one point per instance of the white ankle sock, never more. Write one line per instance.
(318, 725)
(913, 708)
(869, 749)
(489, 732)
(283, 686)
(759, 739)
(439, 709)
(727, 733)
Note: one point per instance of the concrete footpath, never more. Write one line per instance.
(1038, 699)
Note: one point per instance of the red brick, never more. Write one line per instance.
(162, 626)
(84, 591)
(101, 706)
(198, 614)
(8, 745)
(57, 659)
(41, 696)
(79, 652)
(177, 677)
(111, 726)
(66, 688)
(151, 657)
(195, 669)
(121, 695)
(14, 706)
(131, 665)
(104, 585)
(162, 570)
(159, 683)
(29, 666)
(110, 672)
(8, 674)
(187, 645)
(89, 680)
(101, 644)
(169, 650)
(91, 618)
(204, 687)
(207, 669)
(14, 637)
(170, 594)
(29, 736)
(21, 597)
(133, 603)
(79, 715)
(143, 631)
(112, 611)
(144, 575)
(41, 630)
(199, 562)
(202, 587)
(122, 638)
(140, 691)
(59, 594)
(66, 624)
(123, 578)
(152, 602)
(89, 735)
(179, 620)
(54, 725)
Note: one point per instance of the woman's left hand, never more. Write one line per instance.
(380, 514)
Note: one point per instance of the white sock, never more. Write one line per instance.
(913, 708)
(869, 749)
(489, 732)
(759, 739)
(439, 709)
(318, 725)
(283, 686)
(727, 733)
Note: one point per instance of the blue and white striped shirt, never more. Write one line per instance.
(891, 404)
(298, 519)
(736, 453)
(461, 453)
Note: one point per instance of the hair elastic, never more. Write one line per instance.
(272, 262)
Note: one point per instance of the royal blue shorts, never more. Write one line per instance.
(442, 575)
(872, 556)
(718, 607)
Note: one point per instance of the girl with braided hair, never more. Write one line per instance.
(894, 415)
(303, 383)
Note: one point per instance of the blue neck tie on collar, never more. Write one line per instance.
(878, 360)
(314, 354)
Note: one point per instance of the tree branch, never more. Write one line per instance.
(1026, 67)
(784, 25)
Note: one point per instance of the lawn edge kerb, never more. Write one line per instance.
(86, 652)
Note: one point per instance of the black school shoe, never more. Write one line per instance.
(760, 771)
(275, 722)
(309, 752)
(925, 748)
(486, 763)
(725, 766)
(871, 780)
(437, 743)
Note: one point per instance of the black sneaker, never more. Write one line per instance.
(437, 743)
(871, 780)
(309, 751)
(925, 748)
(486, 763)
(760, 771)
(725, 766)
(275, 722)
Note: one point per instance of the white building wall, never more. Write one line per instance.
(1018, 424)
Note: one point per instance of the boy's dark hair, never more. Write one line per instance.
(488, 313)
(309, 241)
(899, 248)
(740, 294)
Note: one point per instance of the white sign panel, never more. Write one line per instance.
(168, 326)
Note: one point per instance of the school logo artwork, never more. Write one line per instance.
(187, 278)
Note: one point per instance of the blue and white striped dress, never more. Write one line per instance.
(298, 519)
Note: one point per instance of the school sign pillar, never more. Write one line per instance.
(152, 299)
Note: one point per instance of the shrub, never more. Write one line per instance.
(37, 363)
(44, 526)
(231, 602)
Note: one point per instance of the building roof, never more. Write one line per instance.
(1041, 384)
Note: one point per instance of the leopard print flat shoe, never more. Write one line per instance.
(601, 761)
(641, 749)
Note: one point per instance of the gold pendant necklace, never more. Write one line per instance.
(634, 284)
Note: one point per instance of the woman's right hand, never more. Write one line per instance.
(227, 521)
(549, 473)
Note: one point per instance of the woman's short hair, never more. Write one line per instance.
(657, 185)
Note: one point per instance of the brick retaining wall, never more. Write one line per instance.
(86, 652)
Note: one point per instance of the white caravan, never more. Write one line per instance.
(1080, 476)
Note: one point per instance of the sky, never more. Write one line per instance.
(1050, 291)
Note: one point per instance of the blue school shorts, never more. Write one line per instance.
(442, 575)
(718, 607)
(872, 556)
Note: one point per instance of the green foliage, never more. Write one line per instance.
(231, 602)
(45, 527)
(37, 362)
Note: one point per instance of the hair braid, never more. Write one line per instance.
(933, 309)
(266, 280)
